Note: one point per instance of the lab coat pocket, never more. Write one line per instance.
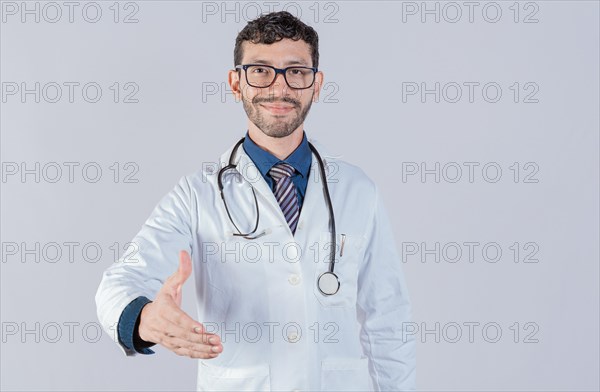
(345, 374)
(347, 257)
(221, 378)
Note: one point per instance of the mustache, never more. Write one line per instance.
(270, 100)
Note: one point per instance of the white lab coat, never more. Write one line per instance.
(278, 331)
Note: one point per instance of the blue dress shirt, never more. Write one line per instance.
(300, 159)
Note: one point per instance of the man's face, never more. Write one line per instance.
(277, 110)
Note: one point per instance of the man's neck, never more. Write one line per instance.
(281, 147)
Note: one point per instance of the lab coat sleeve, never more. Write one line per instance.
(153, 256)
(384, 309)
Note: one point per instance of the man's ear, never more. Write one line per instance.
(318, 85)
(234, 83)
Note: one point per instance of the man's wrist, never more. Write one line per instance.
(138, 342)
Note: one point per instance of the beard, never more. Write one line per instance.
(276, 126)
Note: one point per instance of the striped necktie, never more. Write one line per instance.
(286, 193)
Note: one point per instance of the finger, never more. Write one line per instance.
(179, 324)
(193, 354)
(175, 315)
(195, 346)
(177, 343)
(207, 339)
(213, 339)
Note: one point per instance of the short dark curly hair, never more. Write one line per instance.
(273, 27)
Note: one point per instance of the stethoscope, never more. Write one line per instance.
(328, 282)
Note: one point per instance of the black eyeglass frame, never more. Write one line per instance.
(278, 71)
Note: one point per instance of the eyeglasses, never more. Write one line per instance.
(261, 76)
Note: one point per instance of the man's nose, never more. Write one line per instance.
(279, 86)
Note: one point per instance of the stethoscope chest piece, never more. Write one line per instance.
(328, 283)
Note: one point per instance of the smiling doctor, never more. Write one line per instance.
(298, 280)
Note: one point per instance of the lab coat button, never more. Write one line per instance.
(293, 337)
(294, 279)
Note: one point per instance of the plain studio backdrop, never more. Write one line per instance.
(478, 121)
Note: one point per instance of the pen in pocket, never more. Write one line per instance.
(342, 245)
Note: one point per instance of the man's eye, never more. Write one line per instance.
(259, 70)
(299, 71)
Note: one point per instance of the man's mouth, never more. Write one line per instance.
(277, 108)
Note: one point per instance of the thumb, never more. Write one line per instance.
(176, 281)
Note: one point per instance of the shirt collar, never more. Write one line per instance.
(300, 158)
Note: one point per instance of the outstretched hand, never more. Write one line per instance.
(163, 322)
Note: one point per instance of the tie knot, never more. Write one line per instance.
(281, 170)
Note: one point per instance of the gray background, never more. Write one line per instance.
(177, 51)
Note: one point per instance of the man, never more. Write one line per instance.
(259, 248)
